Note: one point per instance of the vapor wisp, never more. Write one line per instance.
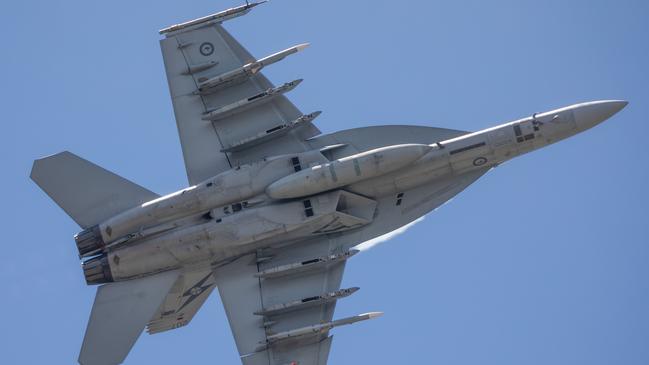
(386, 237)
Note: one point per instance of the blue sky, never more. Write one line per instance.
(542, 261)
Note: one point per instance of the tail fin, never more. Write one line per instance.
(87, 192)
(120, 313)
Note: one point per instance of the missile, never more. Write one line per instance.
(306, 302)
(276, 57)
(242, 73)
(307, 265)
(317, 328)
(245, 104)
(347, 170)
(219, 17)
(271, 133)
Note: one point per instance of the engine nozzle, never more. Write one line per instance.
(97, 270)
(89, 241)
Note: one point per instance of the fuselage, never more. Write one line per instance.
(287, 199)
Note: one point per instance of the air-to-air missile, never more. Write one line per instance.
(306, 302)
(316, 329)
(277, 182)
(250, 102)
(246, 71)
(269, 134)
(219, 17)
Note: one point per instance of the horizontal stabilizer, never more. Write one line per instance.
(120, 313)
(183, 301)
(87, 192)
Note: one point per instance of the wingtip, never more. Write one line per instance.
(37, 162)
(372, 315)
(252, 5)
(302, 46)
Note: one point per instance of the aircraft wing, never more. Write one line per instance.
(226, 111)
(266, 300)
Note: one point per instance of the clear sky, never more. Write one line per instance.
(542, 261)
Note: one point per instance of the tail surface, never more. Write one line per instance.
(119, 314)
(88, 193)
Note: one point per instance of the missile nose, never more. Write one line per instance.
(588, 115)
(372, 315)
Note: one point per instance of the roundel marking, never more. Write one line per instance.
(479, 161)
(206, 48)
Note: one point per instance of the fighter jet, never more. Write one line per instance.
(274, 208)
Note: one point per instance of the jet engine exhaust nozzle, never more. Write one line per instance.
(89, 240)
(97, 270)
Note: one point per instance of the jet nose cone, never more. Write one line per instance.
(588, 115)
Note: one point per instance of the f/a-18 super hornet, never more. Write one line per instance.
(274, 208)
